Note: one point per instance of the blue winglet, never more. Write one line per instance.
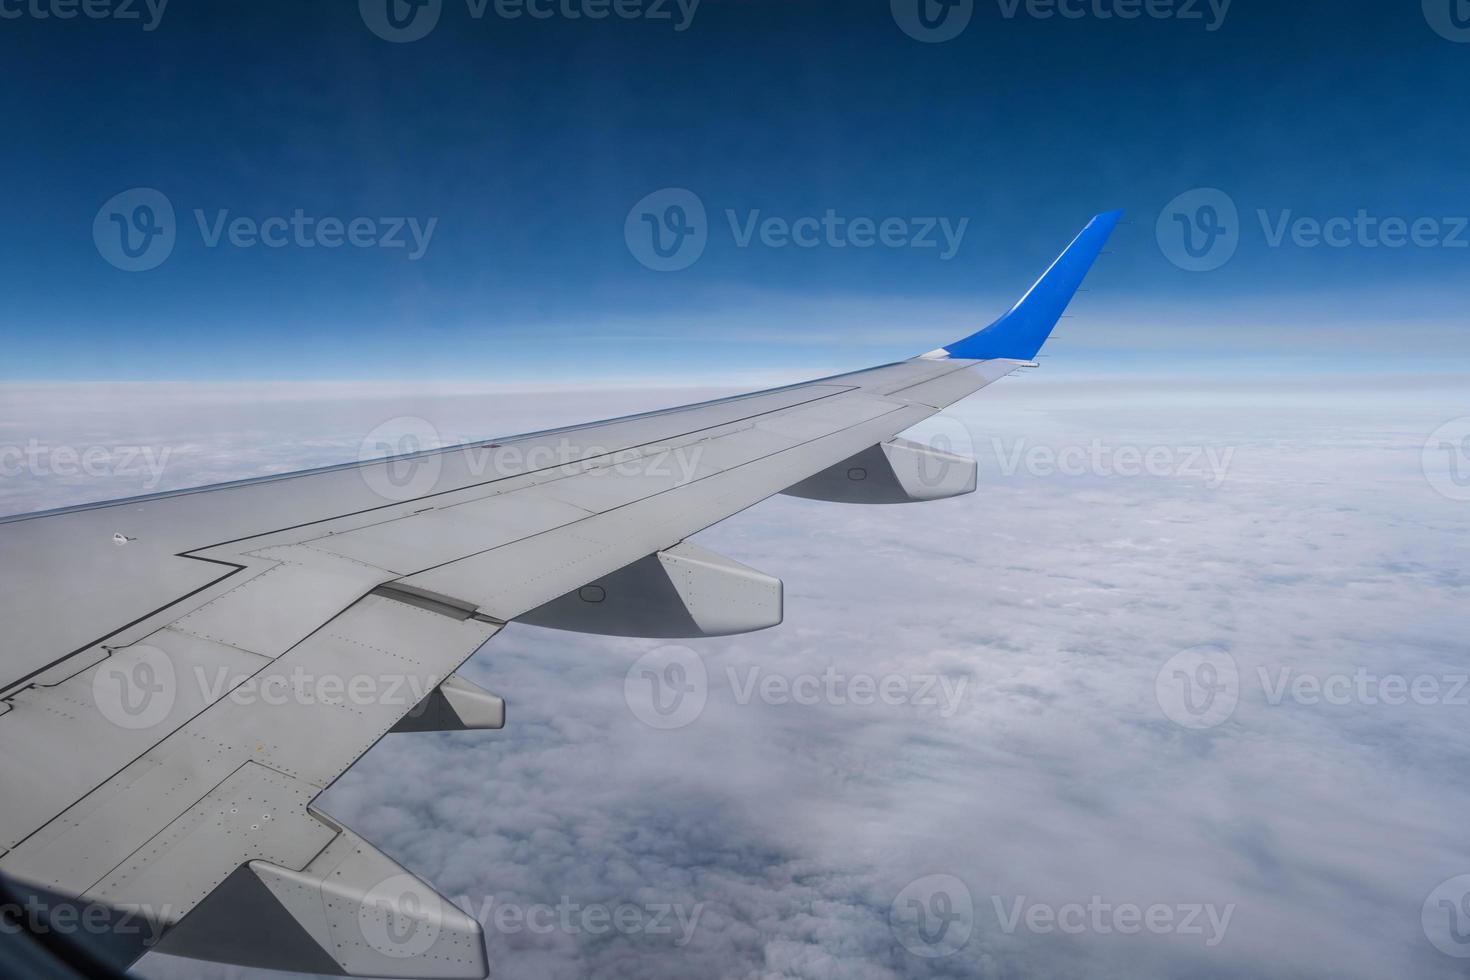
(1021, 332)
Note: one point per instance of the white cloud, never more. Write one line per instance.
(1057, 598)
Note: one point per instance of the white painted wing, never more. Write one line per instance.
(165, 721)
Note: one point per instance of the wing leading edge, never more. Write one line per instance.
(196, 812)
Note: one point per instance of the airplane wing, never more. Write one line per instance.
(183, 674)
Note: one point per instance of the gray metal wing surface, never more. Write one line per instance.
(182, 675)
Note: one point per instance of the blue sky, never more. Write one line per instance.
(537, 147)
(526, 142)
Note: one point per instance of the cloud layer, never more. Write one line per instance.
(778, 835)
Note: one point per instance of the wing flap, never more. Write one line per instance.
(682, 592)
(304, 717)
(349, 911)
(457, 705)
(96, 723)
(302, 590)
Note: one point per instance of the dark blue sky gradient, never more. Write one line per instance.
(531, 140)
